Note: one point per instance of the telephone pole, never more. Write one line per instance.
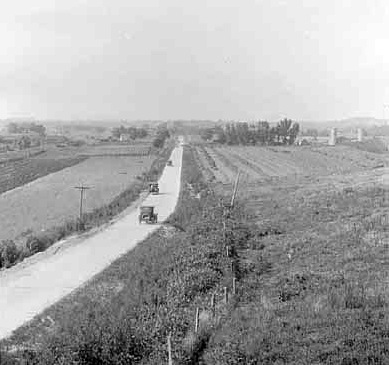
(82, 188)
(385, 106)
(235, 189)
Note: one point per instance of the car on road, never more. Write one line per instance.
(147, 214)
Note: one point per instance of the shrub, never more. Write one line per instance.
(9, 253)
(37, 244)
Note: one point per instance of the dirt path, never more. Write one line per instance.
(30, 287)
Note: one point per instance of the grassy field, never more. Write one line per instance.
(52, 199)
(322, 252)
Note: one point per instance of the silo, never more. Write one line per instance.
(332, 140)
(359, 134)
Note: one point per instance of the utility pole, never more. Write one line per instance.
(235, 189)
(169, 349)
(385, 106)
(82, 188)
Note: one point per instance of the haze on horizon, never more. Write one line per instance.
(219, 59)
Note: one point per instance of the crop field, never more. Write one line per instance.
(18, 173)
(103, 149)
(19, 155)
(17, 169)
(52, 199)
(221, 164)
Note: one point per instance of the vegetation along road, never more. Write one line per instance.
(27, 289)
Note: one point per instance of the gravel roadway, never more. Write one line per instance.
(33, 285)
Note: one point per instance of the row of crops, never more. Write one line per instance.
(207, 164)
(263, 163)
(13, 156)
(215, 166)
(18, 173)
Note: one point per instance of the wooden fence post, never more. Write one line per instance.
(225, 295)
(197, 320)
(169, 350)
(234, 285)
(213, 305)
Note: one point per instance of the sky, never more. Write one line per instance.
(194, 59)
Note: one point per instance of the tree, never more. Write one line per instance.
(287, 131)
(162, 135)
(220, 135)
(262, 133)
(233, 137)
(242, 133)
(283, 130)
(293, 132)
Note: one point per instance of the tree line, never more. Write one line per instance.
(161, 136)
(26, 128)
(261, 133)
(132, 132)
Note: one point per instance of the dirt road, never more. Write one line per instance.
(27, 289)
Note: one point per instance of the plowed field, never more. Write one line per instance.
(221, 164)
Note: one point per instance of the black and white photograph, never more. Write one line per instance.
(194, 182)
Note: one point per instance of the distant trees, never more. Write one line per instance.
(13, 128)
(132, 132)
(259, 133)
(161, 136)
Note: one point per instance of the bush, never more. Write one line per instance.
(9, 253)
(35, 245)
